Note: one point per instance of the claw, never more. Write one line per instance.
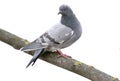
(62, 55)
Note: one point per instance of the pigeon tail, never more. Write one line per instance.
(37, 53)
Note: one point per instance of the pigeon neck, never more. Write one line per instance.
(70, 21)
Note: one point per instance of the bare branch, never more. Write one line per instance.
(66, 63)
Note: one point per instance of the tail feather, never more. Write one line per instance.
(37, 53)
(31, 61)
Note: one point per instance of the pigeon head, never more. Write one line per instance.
(65, 10)
(68, 17)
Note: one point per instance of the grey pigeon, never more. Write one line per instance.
(62, 35)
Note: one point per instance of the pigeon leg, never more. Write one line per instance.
(62, 55)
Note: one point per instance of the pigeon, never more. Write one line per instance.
(60, 36)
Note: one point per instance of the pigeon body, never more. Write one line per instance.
(59, 36)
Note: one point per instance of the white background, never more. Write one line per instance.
(98, 46)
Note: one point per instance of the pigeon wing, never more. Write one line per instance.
(59, 33)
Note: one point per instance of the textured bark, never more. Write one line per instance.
(67, 63)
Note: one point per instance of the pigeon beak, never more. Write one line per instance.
(59, 12)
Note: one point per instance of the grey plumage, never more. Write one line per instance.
(59, 36)
(35, 56)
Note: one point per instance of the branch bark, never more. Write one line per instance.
(66, 63)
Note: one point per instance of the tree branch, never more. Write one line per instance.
(66, 63)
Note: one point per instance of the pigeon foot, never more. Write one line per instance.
(62, 55)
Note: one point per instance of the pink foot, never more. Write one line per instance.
(62, 55)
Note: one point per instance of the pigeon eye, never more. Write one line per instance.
(64, 9)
